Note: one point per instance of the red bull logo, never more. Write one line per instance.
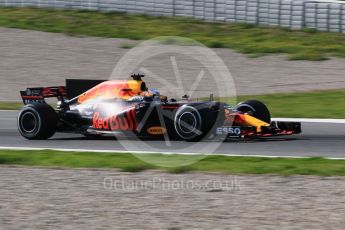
(122, 122)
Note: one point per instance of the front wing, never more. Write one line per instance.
(276, 128)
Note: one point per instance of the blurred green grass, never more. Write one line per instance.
(315, 104)
(10, 105)
(307, 44)
(223, 164)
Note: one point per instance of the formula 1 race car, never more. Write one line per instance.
(96, 108)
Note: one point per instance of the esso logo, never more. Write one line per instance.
(228, 130)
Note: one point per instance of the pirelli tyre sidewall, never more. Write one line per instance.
(37, 121)
(191, 124)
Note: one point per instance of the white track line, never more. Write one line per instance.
(163, 153)
(311, 120)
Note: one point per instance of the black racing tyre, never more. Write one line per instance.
(191, 123)
(256, 109)
(37, 121)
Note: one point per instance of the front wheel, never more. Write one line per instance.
(256, 109)
(37, 121)
(191, 123)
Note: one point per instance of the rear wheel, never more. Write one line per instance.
(256, 109)
(37, 121)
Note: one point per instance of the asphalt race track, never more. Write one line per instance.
(317, 139)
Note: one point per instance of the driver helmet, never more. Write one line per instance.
(154, 92)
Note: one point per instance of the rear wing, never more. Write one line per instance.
(73, 88)
(37, 95)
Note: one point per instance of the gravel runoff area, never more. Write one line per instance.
(30, 58)
(36, 198)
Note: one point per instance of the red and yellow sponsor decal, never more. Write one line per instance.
(156, 130)
(122, 89)
(122, 122)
